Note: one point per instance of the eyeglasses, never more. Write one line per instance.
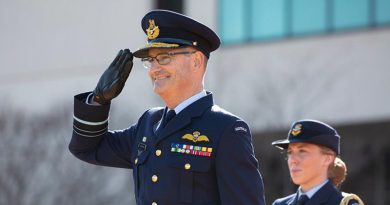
(162, 58)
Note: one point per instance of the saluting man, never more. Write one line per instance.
(312, 157)
(189, 152)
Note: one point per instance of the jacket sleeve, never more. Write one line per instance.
(93, 142)
(239, 178)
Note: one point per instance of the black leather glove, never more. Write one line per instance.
(113, 79)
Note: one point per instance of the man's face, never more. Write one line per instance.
(307, 164)
(174, 77)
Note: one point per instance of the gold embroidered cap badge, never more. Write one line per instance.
(152, 31)
(296, 130)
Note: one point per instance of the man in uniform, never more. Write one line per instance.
(189, 152)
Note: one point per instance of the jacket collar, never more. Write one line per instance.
(320, 197)
(182, 119)
(323, 195)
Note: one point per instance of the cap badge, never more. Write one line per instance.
(296, 130)
(196, 137)
(152, 31)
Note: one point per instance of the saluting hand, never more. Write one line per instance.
(113, 79)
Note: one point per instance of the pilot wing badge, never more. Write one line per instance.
(196, 137)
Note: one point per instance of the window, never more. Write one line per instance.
(308, 16)
(259, 20)
(233, 21)
(382, 15)
(268, 19)
(350, 14)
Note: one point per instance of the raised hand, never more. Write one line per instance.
(114, 78)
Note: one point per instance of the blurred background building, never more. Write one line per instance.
(280, 61)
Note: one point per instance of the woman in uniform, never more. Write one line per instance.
(312, 149)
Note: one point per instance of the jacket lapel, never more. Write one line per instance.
(323, 195)
(184, 118)
(293, 200)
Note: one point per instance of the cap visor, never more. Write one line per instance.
(281, 144)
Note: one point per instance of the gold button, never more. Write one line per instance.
(154, 178)
(158, 152)
(187, 166)
(154, 203)
(136, 161)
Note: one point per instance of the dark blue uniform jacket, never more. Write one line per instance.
(327, 195)
(204, 155)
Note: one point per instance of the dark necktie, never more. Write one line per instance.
(165, 119)
(302, 199)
